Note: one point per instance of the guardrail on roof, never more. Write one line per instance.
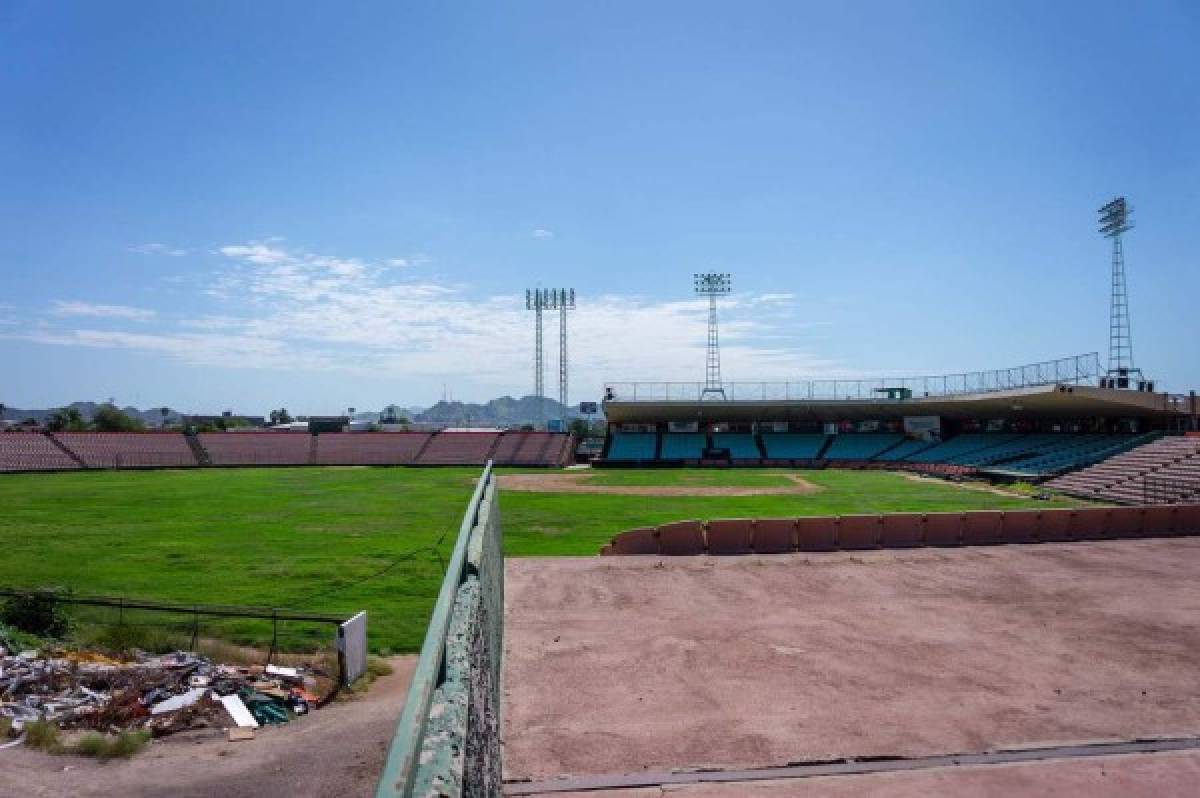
(448, 739)
(1075, 370)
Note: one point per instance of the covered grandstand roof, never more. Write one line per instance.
(1042, 401)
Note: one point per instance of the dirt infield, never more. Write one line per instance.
(621, 665)
(577, 482)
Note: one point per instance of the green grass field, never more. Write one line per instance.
(307, 538)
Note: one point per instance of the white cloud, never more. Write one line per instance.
(542, 233)
(288, 309)
(255, 252)
(74, 308)
(158, 249)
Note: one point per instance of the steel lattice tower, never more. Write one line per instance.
(539, 300)
(535, 300)
(712, 285)
(1114, 220)
(566, 301)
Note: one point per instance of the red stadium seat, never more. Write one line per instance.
(1124, 522)
(774, 535)
(982, 527)
(731, 536)
(1054, 525)
(858, 532)
(816, 533)
(1020, 526)
(943, 529)
(1158, 520)
(1187, 519)
(643, 540)
(1089, 523)
(681, 538)
(903, 530)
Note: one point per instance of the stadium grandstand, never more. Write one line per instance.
(65, 451)
(1032, 423)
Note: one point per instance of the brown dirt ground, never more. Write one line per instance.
(1133, 776)
(576, 482)
(335, 751)
(618, 665)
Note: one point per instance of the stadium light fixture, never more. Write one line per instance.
(1122, 373)
(539, 300)
(712, 285)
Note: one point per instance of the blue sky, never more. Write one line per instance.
(242, 205)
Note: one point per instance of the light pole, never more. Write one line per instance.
(712, 285)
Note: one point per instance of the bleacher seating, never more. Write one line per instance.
(632, 446)
(369, 448)
(1067, 454)
(741, 445)
(458, 448)
(792, 445)
(683, 445)
(257, 448)
(861, 445)
(903, 451)
(1160, 470)
(531, 449)
(31, 451)
(961, 447)
(129, 449)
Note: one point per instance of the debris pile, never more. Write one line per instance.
(160, 694)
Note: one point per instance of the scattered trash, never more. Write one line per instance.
(237, 710)
(162, 695)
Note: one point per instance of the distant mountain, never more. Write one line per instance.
(152, 417)
(503, 412)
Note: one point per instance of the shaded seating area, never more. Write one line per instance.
(129, 449)
(683, 445)
(741, 445)
(32, 451)
(632, 446)
(793, 445)
(861, 445)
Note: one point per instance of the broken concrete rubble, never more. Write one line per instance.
(160, 694)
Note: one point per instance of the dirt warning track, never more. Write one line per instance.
(578, 482)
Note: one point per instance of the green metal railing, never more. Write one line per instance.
(448, 739)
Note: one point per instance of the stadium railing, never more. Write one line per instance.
(448, 739)
(1075, 370)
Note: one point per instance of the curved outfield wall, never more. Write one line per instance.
(906, 530)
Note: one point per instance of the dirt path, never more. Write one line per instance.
(336, 751)
(576, 482)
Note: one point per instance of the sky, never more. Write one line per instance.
(220, 205)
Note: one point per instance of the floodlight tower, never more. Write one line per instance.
(565, 301)
(1115, 220)
(536, 300)
(712, 285)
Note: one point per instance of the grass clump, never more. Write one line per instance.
(43, 736)
(102, 746)
(376, 667)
